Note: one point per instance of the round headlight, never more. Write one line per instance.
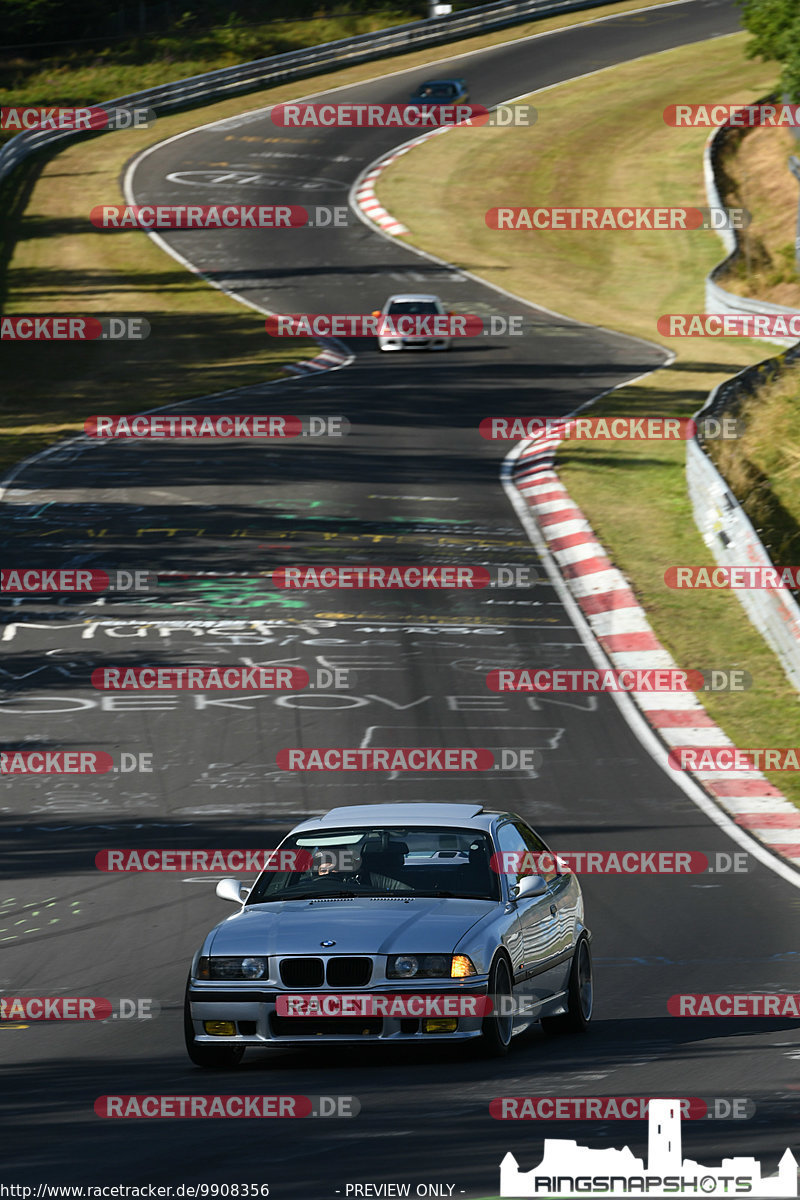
(405, 966)
(254, 968)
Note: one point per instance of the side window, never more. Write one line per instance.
(510, 841)
(536, 846)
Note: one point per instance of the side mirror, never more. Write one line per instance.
(231, 889)
(529, 885)
(376, 312)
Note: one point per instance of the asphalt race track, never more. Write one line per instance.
(413, 483)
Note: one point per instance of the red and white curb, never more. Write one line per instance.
(620, 626)
(363, 195)
(325, 361)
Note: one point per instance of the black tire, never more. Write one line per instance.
(580, 995)
(219, 1057)
(496, 1029)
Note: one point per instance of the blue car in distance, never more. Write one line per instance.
(440, 91)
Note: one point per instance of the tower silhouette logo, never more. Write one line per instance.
(570, 1170)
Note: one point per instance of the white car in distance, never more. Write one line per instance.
(417, 307)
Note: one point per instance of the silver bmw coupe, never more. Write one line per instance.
(394, 923)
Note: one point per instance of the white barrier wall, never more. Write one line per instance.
(725, 527)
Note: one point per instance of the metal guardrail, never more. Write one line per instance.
(728, 532)
(266, 72)
(725, 527)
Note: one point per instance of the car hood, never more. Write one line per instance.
(357, 926)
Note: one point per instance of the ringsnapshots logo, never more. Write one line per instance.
(569, 1170)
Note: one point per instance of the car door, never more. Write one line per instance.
(539, 970)
(562, 887)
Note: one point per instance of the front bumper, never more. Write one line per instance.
(411, 343)
(253, 1011)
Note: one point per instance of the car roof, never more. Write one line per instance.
(413, 296)
(406, 815)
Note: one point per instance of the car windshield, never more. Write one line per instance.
(438, 91)
(382, 861)
(415, 307)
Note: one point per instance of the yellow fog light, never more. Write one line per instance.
(440, 1025)
(461, 966)
(220, 1028)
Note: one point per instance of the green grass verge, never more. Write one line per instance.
(87, 75)
(634, 493)
(100, 71)
(763, 466)
(53, 261)
(201, 341)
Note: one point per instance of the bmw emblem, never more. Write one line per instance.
(327, 943)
